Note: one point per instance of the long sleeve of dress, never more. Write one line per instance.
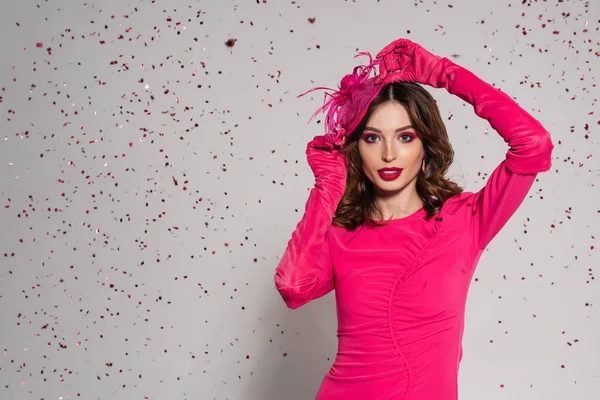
(497, 201)
(530, 152)
(305, 271)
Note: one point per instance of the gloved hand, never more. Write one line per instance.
(328, 166)
(530, 143)
(407, 61)
(305, 271)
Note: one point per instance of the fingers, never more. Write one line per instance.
(320, 142)
(392, 62)
(326, 142)
(339, 141)
(399, 59)
(397, 45)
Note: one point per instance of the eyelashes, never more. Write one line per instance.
(405, 137)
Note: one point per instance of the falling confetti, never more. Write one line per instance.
(152, 179)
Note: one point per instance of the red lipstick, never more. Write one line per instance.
(389, 174)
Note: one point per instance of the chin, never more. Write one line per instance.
(391, 186)
(384, 186)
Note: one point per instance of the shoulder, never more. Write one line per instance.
(456, 214)
(457, 203)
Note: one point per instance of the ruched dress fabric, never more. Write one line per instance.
(401, 292)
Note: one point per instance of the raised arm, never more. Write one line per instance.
(305, 271)
(530, 151)
(530, 145)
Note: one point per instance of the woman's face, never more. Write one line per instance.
(389, 142)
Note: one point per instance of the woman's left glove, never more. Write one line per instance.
(530, 143)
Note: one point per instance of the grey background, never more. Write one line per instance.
(151, 177)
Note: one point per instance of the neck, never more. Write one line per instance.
(397, 205)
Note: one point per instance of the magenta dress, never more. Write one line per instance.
(401, 292)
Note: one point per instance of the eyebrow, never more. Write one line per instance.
(369, 128)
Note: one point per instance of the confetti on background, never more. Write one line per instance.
(153, 170)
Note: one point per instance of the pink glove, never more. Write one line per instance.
(305, 271)
(328, 166)
(530, 144)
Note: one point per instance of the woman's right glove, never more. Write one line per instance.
(305, 271)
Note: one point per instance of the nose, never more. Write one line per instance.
(389, 153)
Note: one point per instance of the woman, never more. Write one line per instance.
(404, 242)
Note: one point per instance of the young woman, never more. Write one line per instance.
(397, 240)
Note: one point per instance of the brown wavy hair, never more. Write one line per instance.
(357, 205)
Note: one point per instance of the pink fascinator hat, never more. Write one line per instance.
(348, 105)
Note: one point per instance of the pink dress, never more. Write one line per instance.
(401, 292)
